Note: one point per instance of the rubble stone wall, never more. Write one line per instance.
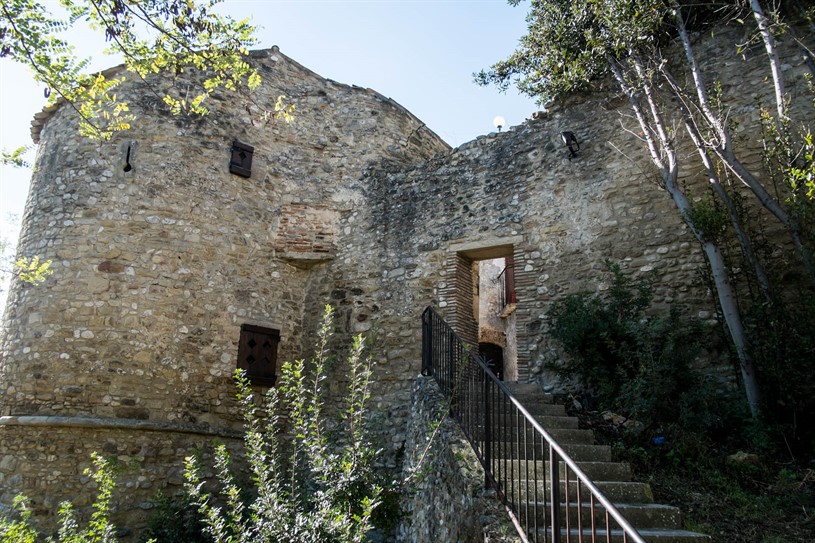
(157, 267)
(356, 203)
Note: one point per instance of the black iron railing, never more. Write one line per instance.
(548, 496)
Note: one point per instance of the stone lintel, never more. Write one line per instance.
(487, 248)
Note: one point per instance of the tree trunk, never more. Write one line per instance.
(713, 178)
(724, 150)
(772, 55)
(663, 155)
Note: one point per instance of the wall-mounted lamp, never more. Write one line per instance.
(241, 161)
(571, 142)
(499, 122)
(128, 166)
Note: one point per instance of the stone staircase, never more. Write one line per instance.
(655, 523)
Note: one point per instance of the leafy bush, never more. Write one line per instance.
(316, 484)
(175, 520)
(98, 530)
(782, 342)
(632, 362)
(18, 530)
(312, 481)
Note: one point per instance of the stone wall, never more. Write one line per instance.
(157, 267)
(46, 458)
(446, 500)
(356, 204)
(518, 191)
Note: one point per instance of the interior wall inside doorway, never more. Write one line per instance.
(496, 319)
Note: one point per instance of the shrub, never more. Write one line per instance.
(99, 528)
(782, 341)
(18, 530)
(175, 520)
(632, 362)
(316, 484)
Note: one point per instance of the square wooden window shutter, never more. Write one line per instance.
(241, 161)
(257, 354)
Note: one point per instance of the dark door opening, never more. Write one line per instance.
(493, 355)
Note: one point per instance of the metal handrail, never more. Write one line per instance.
(507, 439)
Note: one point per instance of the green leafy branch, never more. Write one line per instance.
(172, 37)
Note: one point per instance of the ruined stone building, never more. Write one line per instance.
(185, 247)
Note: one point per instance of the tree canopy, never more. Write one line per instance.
(152, 36)
(569, 42)
(583, 45)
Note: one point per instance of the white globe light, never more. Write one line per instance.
(499, 122)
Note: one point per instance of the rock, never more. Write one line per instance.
(742, 458)
(614, 418)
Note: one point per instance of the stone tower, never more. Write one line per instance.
(182, 248)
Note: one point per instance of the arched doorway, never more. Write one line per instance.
(493, 355)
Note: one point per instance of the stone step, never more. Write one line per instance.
(616, 536)
(648, 516)
(528, 482)
(547, 421)
(526, 390)
(596, 471)
(545, 409)
(560, 435)
(553, 422)
(616, 491)
(578, 452)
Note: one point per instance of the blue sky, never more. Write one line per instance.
(421, 53)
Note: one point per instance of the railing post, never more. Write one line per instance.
(427, 343)
(554, 493)
(452, 367)
(487, 430)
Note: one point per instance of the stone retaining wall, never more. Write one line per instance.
(46, 458)
(447, 500)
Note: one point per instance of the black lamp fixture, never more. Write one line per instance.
(571, 142)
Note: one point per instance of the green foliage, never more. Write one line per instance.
(709, 218)
(175, 520)
(316, 484)
(597, 332)
(31, 270)
(99, 528)
(635, 363)
(15, 157)
(783, 342)
(19, 530)
(28, 270)
(801, 173)
(569, 44)
(158, 36)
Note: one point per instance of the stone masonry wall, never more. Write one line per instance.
(357, 204)
(446, 500)
(47, 460)
(156, 268)
(562, 218)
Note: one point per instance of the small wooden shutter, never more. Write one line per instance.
(509, 278)
(241, 161)
(257, 354)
